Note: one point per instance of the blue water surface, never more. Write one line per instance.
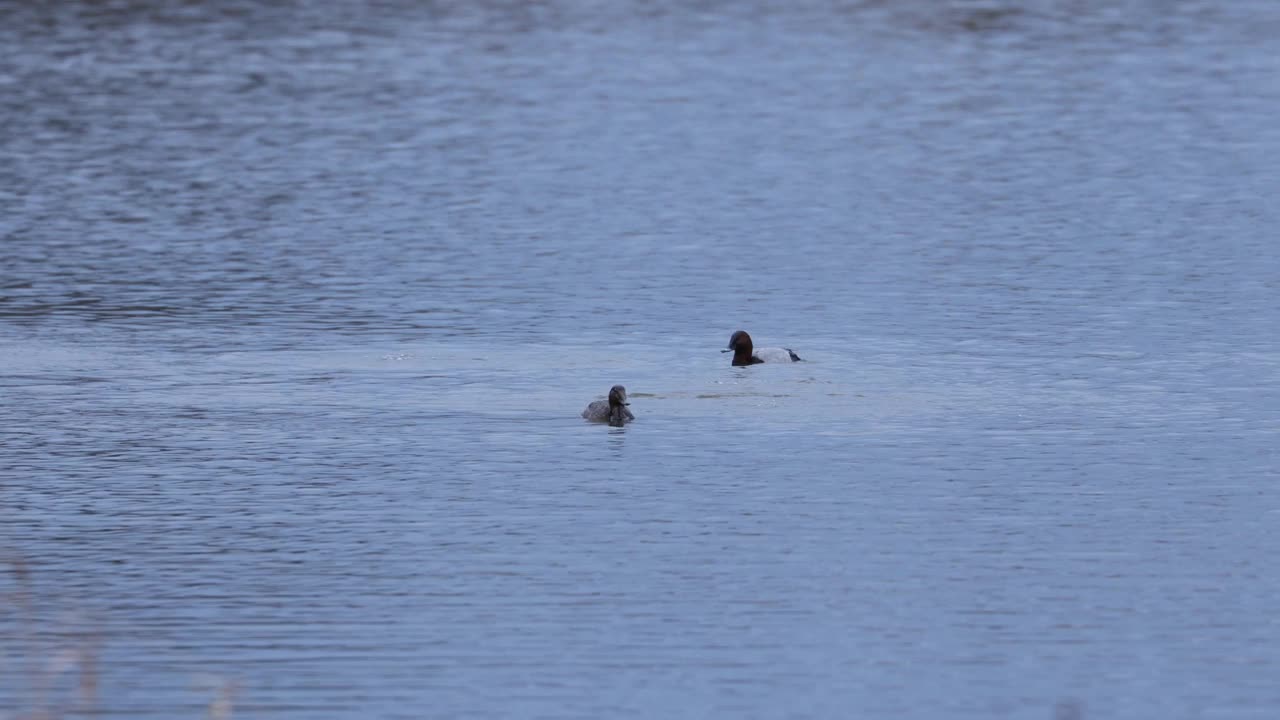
(299, 305)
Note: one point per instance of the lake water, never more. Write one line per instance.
(299, 304)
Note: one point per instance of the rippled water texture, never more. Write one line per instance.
(300, 303)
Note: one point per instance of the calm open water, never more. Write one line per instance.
(299, 305)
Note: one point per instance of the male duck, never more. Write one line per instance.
(743, 354)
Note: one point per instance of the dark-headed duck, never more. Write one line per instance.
(744, 354)
(613, 411)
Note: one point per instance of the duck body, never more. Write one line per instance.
(744, 353)
(613, 411)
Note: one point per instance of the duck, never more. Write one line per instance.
(613, 411)
(744, 354)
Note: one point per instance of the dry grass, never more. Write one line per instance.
(55, 672)
(47, 675)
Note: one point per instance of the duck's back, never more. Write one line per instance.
(597, 411)
(775, 355)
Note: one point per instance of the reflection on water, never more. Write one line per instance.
(299, 307)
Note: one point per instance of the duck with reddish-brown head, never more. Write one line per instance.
(745, 354)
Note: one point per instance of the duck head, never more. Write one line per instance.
(741, 347)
